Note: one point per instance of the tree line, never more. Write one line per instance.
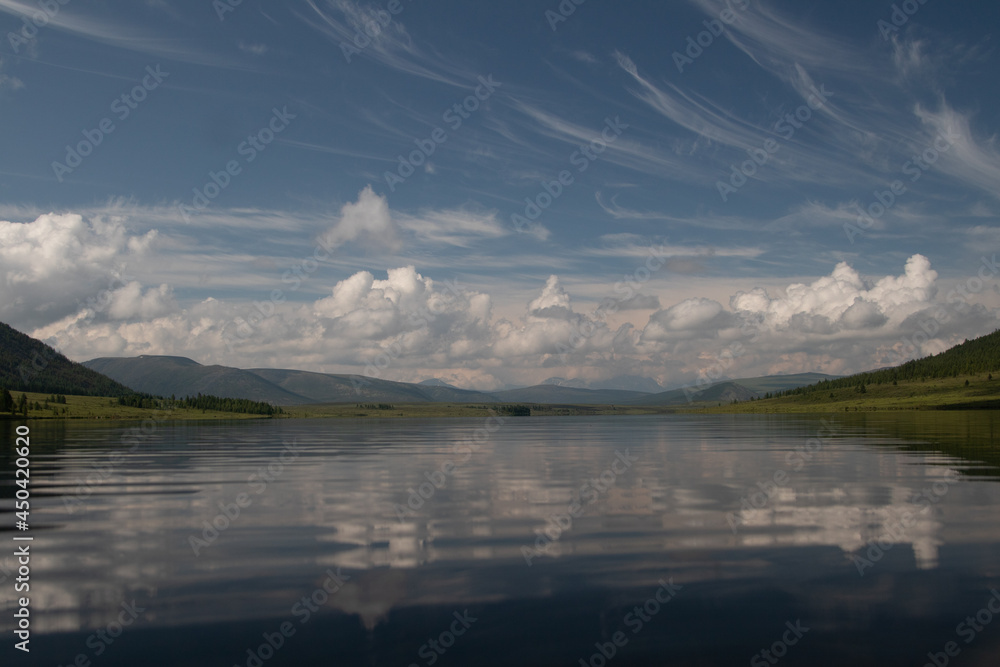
(201, 402)
(8, 403)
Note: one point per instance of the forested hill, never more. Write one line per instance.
(976, 356)
(27, 364)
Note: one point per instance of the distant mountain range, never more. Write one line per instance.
(622, 382)
(179, 376)
(27, 364)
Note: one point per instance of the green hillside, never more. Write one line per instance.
(960, 378)
(972, 357)
(30, 365)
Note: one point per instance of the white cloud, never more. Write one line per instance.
(844, 294)
(553, 296)
(56, 264)
(841, 322)
(131, 301)
(368, 220)
(688, 319)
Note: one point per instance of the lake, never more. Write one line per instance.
(662, 540)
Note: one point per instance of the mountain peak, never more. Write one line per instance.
(436, 382)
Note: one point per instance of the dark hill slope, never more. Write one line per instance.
(976, 356)
(27, 364)
(330, 388)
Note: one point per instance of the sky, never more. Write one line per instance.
(498, 193)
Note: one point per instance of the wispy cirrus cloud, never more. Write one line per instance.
(108, 29)
(341, 21)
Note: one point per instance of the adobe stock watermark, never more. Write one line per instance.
(248, 149)
(779, 649)
(915, 167)
(418, 318)
(302, 610)
(373, 27)
(432, 651)
(454, 116)
(132, 438)
(958, 301)
(31, 24)
(796, 460)
(581, 158)
(101, 641)
(896, 527)
(437, 478)
(635, 620)
(968, 630)
(261, 311)
(899, 17)
(102, 301)
(563, 11)
(228, 512)
(223, 7)
(711, 374)
(589, 494)
(122, 107)
(585, 328)
(265, 310)
(32, 368)
(785, 128)
(697, 44)
(28, 370)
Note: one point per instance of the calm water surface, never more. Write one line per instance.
(689, 540)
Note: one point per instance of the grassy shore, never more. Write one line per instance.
(932, 427)
(412, 410)
(959, 393)
(100, 407)
(93, 407)
(967, 392)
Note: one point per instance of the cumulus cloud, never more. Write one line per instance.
(688, 319)
(408, 311)
(57, 264)
(131, 301)
(552, 334)
(843, 299)
(367, 219)
(411, 327)
(552, 299)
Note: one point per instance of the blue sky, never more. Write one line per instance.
(265, 185)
